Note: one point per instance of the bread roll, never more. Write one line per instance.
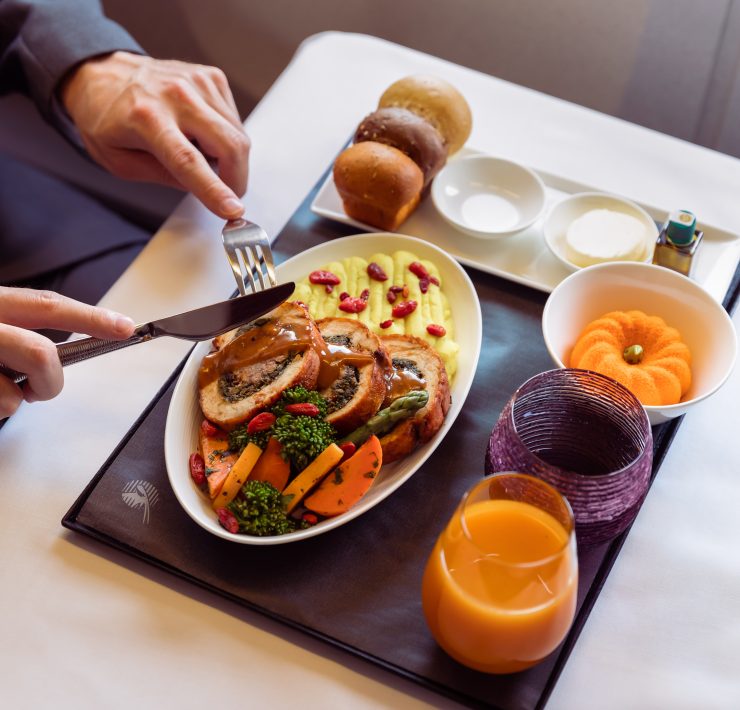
(378, 184)
(410, 133)
(435, 100)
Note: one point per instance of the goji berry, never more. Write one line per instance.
(310, 518)
(307, 409)
(352, 305)
(260, 422)
(324, 277)
(397, 289)
(228, 520)
(197, 469)
(436, 330)
(403, 309)
(386, 324)
(365, 295)
(328, 288)
(208, 429)
(423, 285)
(348, 448)
(343, 295)
(434, 280)
(405, 291)
(391, 296)
(418, 269)
(375, 271)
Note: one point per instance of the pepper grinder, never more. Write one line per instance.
(677, 243)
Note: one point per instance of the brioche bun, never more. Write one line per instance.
(410, 133)
(435, 100)
(378, 184)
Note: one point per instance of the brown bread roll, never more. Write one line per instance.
(435, 100)
(410, 133)
(378, 184)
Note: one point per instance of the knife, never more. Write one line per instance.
(200, 324)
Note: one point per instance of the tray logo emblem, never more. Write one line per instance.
(140, 494)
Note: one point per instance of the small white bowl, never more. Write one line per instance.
(564, 213)
(622, 286)
(488, 197)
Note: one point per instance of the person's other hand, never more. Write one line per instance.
(138, 118)
(36, 356)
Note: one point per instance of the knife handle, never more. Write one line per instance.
(82, 349)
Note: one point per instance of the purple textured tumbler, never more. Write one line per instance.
(586, 435)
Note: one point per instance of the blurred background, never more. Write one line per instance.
(670, 65)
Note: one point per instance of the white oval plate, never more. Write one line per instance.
(184, 415)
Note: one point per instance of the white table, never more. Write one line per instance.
(88, 627)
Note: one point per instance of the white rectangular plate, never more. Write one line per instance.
(524, 257)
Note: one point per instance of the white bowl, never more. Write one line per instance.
(488, 197)
(703, 323)
(564, 213)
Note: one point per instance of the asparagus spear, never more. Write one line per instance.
(387, 418)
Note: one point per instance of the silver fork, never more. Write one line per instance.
(248, 250)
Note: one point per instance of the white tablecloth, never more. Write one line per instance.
(85, 626)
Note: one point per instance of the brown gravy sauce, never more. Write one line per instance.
(401, 381)
(276, 338)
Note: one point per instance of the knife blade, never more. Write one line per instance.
(199, 324)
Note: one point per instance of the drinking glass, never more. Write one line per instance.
(585, 434)
(499, 589)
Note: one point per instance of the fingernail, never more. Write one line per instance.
(120, 322)
(232, 206)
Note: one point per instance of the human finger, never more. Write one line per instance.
(190, 168)
(220, 140)
(36, 357)
(31, 308)
(11, 397)
(214, 88)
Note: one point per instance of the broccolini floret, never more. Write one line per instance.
(240, 437)
(259, 510)
(302, 438)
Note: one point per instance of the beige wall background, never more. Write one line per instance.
(671, 65)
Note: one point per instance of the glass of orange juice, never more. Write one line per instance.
(499, 589)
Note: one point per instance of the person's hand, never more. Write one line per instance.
(36, 356)
(138, 118)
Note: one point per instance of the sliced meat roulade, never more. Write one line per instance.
(360, 364)
(254, 363)
(416, 365)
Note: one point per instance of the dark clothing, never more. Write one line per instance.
(42, 40)
(51, 234)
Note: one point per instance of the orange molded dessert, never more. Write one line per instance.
(640, 351)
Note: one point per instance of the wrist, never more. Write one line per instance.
(80, 79)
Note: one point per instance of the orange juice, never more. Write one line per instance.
(499, 590)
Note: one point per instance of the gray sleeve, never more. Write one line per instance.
(42, 40)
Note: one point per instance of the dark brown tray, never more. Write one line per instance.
(357, 587)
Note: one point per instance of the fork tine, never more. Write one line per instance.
(235, 268)
(269, 264)
(247, 273)
(256, 258)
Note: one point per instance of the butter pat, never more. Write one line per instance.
(605, 235)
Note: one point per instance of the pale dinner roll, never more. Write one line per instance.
(438, 102)
(378, 184)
